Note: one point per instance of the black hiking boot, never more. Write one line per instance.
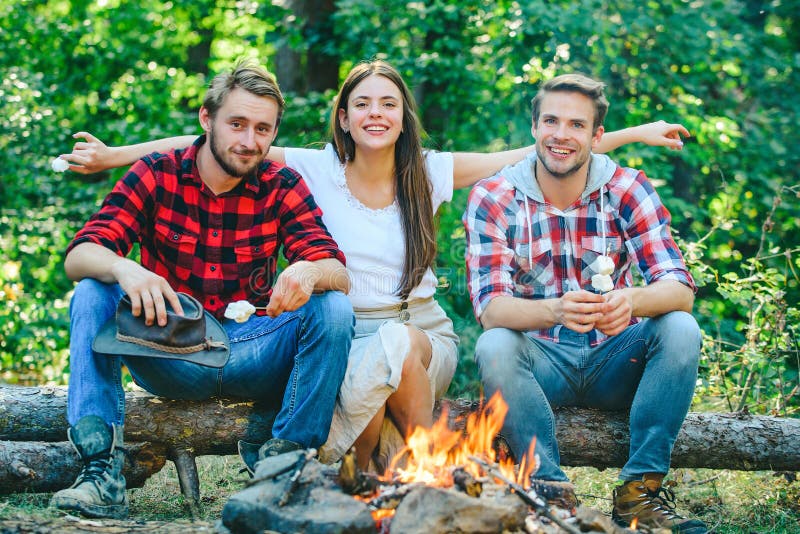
(99, 490)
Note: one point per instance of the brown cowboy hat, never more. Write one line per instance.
(196, 336)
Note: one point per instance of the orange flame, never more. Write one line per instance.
(431, 453)
(634, 523)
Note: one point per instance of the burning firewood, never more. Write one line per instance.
(352, 480)
(390, 496)
(467, 483)
(532, 500)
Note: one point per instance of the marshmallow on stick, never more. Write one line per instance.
(240, 311)
(602, 281)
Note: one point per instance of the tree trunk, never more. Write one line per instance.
(178, 430)
(316, 67)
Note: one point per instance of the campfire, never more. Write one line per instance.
(443, 480)
(441, 457)
(431, 454)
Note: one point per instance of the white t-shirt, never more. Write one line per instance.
(372, 240)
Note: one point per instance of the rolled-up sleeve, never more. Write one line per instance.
(303, 234)
(649, 237)
(119, 222)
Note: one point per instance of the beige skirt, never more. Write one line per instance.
(374, 367)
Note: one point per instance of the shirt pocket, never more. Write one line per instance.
(534, 266)
(255, 262)
(594, 246)
(177, 247)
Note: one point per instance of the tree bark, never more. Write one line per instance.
(38, 467)
(586, 437)
(601, 439)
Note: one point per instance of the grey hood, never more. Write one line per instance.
(520, 175)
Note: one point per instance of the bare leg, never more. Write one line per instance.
(365, 443)
(410, 405)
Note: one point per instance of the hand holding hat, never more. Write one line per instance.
(196, 336)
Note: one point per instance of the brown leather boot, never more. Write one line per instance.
(652, 505)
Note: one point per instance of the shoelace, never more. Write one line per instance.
(664, 499)
(95, 466)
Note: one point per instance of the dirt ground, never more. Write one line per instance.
(73, 525)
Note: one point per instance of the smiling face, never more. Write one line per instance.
(564, 138)
(241, 131)
(374, 115)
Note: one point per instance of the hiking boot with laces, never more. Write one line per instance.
(555, 493)
(99, 490)
(652, 505)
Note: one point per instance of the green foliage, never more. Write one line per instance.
(729, 71)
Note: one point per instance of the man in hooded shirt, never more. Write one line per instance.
(551, 245)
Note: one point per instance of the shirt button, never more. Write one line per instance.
(213, 268)
(215, 233)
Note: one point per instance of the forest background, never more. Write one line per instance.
(133, 71)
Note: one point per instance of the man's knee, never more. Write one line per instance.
(681, 333)
(333, 310)
(497, 352)
(91, 292)
(92, 298)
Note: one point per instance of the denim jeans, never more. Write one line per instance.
(294, 362)
(650, 367)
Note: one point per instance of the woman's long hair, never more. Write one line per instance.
(412, 186)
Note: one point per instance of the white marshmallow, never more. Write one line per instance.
(59, 165)
(602, 282)
(602, 265)
(240, 311)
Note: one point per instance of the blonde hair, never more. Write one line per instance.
(248, 75)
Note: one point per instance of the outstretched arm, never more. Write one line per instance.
(469, 167)
(659, 133)
(92, 155)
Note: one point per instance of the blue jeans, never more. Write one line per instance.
(650, 367)
(294, 362)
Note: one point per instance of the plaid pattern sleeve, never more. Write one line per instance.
(119, 222)
(648, 238)
(489, 255)
(302, 231)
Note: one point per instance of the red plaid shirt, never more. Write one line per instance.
(217, 248)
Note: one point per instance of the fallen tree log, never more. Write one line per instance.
(38, 466)
(740, 441)
(186, 429)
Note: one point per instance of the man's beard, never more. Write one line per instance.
(541, 153)
(228, 166)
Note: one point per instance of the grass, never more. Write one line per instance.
(728, 501)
